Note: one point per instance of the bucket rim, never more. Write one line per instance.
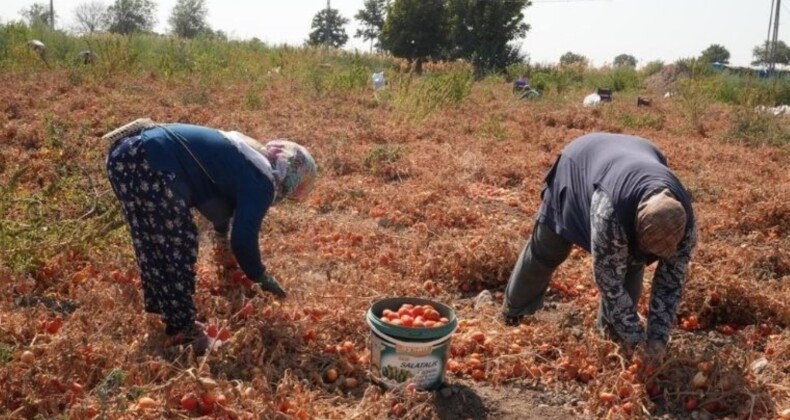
(398, 341)
(408, 333)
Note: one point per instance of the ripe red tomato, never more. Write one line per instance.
(607, 397)
(207, 402)
(224, 334)
(212, 331)
(247, 310)
(309, 335)
(189, 402)
(237, 277)
(414, 316)
(726, 329)
(432, 315)
(53, 326)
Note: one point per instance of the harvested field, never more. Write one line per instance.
(436, 207)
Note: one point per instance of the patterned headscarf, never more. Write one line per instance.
(660, 224)
(293, 168)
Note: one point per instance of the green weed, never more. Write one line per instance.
(421, 97)
(6, 353)
(642, 120)
(494, 128)
(694, 100)
(253, 100)
(759, 128)
(383, 154)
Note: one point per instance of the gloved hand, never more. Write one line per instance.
(271, 285)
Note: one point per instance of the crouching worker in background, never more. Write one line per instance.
(160, 172)
(614, 196)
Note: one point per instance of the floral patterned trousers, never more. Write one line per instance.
(163, 232)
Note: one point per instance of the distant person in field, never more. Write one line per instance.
(614, 196)
(521, 84)
(160, 173)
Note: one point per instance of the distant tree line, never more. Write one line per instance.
(188, 18)
(480, 31)
(714, 54)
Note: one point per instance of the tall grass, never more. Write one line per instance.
(418, 98)
(67, 209)
(651, 68)
(752, 127)
(694, 100)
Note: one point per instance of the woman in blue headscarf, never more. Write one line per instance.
(162, 171)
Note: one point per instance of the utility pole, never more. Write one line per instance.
(326, 23)
(51, 14)
(773, 36)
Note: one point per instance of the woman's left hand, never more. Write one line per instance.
(271, 285)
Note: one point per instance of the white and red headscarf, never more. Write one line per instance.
(288, 165)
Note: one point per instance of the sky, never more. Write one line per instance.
(649, 30)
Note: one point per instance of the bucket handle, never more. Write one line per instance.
(425, 344)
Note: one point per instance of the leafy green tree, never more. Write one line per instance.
(625, 60)
(188, 18)
(328, 29)
(371, 19)
(90, 16)
(716, 54)
(415, 30)
(481, 30)
(571, 58)
(128, 16)
(37, 14)
(761, 54)
(218, 34)
(652, 68)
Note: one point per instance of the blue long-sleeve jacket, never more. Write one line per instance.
(215, 177)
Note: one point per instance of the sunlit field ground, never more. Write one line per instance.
(427, 188)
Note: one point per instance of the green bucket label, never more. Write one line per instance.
(396, 365)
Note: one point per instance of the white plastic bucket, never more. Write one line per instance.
(399, 355)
